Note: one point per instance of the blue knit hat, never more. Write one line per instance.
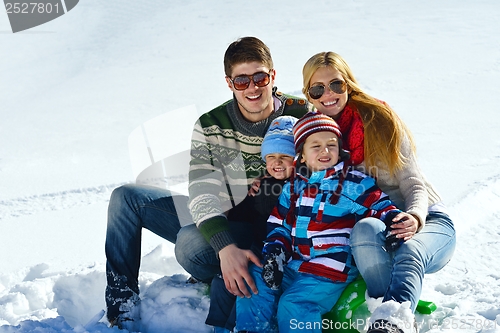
(279, 137)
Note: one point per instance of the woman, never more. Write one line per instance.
(382, 146)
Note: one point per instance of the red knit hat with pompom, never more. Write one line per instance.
(313, 122)
(310, 123)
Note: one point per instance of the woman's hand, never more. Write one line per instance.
(407, 226)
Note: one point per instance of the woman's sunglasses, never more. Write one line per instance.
(337, 86)
(260, 79)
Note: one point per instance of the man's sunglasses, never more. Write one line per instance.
(260, 79)
(337, 86)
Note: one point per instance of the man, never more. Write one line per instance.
(225, 160)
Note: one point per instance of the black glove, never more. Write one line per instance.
(274, 260)
(391, 241)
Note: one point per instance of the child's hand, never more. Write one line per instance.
(274, 260)
(255, 187)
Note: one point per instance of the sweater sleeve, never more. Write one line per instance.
(206, 184)
(412, 185)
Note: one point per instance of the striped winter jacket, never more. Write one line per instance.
(317, 240)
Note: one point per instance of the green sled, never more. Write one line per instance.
(340, 318)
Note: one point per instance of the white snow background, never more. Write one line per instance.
(73, 90)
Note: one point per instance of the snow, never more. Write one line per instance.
(73, 90)
(398, 314)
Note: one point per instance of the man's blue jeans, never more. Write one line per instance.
(398, 276)
(133, 207)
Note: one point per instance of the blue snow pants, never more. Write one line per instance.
(296, 307)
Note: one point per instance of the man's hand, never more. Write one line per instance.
(234, 266)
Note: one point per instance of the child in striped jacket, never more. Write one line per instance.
(307, 256)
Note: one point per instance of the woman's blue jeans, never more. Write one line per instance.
(134, 207)
(398, 276)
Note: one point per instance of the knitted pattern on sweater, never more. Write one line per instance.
(225, 160)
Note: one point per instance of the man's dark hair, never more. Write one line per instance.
(246, 49)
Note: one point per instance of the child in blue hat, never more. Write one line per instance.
(278, 151)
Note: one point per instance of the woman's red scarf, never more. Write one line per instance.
(353, 134)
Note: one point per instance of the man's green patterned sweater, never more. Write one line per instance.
(225, 160)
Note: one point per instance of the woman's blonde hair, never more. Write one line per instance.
(384, 131)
